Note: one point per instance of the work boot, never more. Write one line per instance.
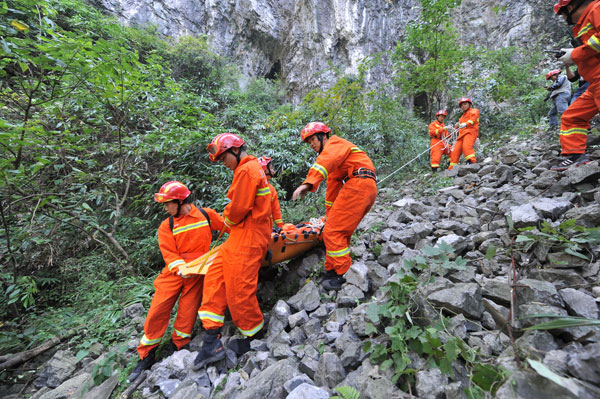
(172, 348)
(332, 281)
(242, 345)
(571, 160)
(143, 364)
(212, 349)
(434, 169)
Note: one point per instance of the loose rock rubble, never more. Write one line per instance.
(314, 340)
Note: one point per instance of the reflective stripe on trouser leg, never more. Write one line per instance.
(456, 152)
(167, 287)
(214, 301)
(467, 147)
(189, 302)
(435, 152)
(352, 203)
(575, 121)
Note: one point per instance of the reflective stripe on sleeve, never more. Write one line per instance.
(263, 191)
(594, 43)
(175, 263)
(328, 203)
(228, 222)
(585, 29)
(320, 169)
(355, 149)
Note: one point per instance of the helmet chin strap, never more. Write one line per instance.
(178, 209)
(320, 136)
(576, 5)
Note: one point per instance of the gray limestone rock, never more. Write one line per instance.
(307, 298)
(279, 318)
(524, 215)
(357, 275)
(530, 290)
(269, 383)
(431, 384)
(579, 303)
(551, 208)
(57, 370)
(462, 298)
(585, 363)
(308, 391)
(330, 371)
(372, 383)
(297, 319)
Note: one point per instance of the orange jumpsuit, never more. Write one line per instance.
(190, 238)
(436, 145)
(575, 121)
(345, 203)
(275, 207)
(232, 279)
(466, 137)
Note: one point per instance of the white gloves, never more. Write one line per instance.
(462, 125)
(566, 57)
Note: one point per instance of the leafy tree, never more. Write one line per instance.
(429, 54)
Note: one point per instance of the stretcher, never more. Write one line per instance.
(290, 242)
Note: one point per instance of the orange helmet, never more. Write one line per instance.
(264, 162)
(559, 5)
(172, 190)
(313, 128)
(221, 143)
(441, 112)
(552, 73)
(464, 100)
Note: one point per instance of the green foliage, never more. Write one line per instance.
(429, 53)
(569, 237)
(561, 322)
(394, 318)
(346, 392)
(193, 61)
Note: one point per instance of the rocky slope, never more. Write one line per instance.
(300, 41)
(315, 339)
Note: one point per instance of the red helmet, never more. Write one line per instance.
(172, 190)
(552, 73)
(313, 128)
(464, 100)
(264, 162)
(441, 112)
(559, 5)
(221, 143)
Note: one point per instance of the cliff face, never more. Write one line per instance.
(300, 40)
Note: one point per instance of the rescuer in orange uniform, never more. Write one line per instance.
(437, 132)
(468, 123)
(183, 236)
(351, 191)
(267, 165)
(575, 121)
(232, 279)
